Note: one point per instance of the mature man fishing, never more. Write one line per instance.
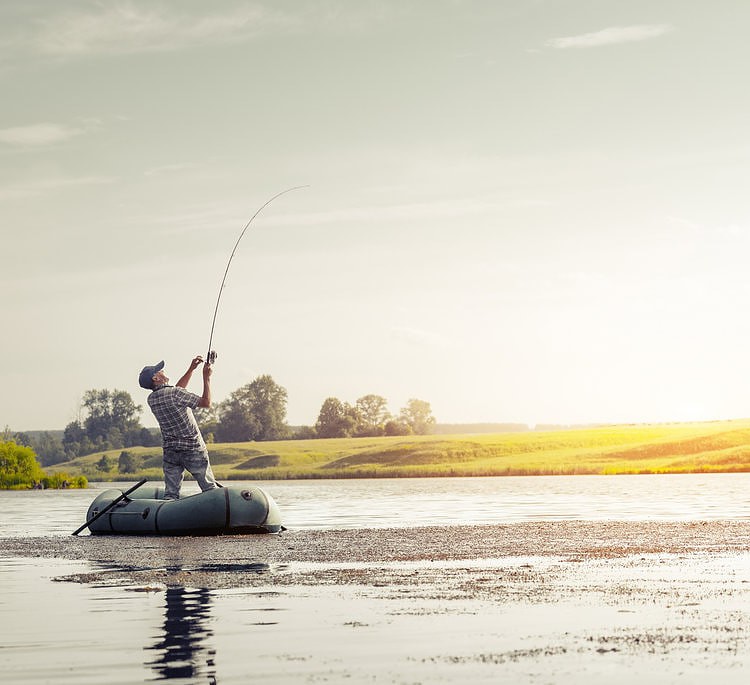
(183, 444)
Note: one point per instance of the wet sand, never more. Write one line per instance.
(137, 557)
(558, 602)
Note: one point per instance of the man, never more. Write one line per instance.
(182, 440)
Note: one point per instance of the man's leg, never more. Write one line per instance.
(200, 468)
(173, 475)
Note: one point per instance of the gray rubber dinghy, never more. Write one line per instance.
(223, 511)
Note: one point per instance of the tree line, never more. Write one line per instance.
(110, 419)
(369, 417)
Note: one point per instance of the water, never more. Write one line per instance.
(71, 634)
(65, 633)
(399, 502)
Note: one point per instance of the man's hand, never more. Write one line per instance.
(206, 397)
(183, 382)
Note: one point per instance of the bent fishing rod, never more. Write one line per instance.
(211, 355)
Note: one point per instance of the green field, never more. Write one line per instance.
(720, 446)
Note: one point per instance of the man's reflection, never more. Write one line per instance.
(182, 649)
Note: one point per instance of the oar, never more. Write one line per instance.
(110, 505)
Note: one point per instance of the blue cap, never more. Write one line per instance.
(147, 375)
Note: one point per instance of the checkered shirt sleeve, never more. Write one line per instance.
(172, 406)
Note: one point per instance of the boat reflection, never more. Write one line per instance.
(184, 649)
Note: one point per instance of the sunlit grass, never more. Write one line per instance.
(722, 446)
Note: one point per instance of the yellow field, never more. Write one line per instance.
(720, 446)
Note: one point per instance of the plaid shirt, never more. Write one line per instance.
(172, 407)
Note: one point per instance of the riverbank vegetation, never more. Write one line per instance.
(722, 446)
(20, 470)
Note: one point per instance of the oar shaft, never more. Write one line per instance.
(109, 506)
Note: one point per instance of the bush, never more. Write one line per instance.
(397, 428)
(60, 481)
(104, 464)
(18, 466)
(127, 463)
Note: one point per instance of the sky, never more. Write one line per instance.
(518, 211)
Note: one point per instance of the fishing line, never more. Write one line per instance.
(211, 356)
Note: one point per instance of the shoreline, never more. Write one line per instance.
(237, 561)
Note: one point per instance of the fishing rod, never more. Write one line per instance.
(211, 355)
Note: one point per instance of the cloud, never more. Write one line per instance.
(43, 186)
(411, 211)
(37, 134)
(419, 337)
(611, 36)
(167, 169)
(191, 219)
(210, 216)
(132, 27)
(122, 27)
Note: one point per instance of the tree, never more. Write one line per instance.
(372, 412)
(22, 439)
(127, 463)
(18, 466)
(104, 464)
(73, 436)
(208, 422)
(236, 424)
(418, 415)
(147, 438)
(395, 427)
(304, 433)
(256, 411)
(114, 438)
(268, 400)
(336, 419)
(49, 449)
(110, 422)
(109, 411)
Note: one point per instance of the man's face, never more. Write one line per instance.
(160, 378)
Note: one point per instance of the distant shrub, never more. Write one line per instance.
(127, 463)
(104, 464)
(397, 428)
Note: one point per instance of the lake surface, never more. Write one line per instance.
(53, 632)
(398, 502)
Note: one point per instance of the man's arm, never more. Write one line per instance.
(206, 397)
(182, 383)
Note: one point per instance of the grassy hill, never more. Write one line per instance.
(720, 446)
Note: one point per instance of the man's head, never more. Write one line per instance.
(151, 376)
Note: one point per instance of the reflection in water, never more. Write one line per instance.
(183, 649)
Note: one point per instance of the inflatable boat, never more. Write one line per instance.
(223, 511)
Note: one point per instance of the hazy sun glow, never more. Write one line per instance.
(519, 212)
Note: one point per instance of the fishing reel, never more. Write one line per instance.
(211, 358)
